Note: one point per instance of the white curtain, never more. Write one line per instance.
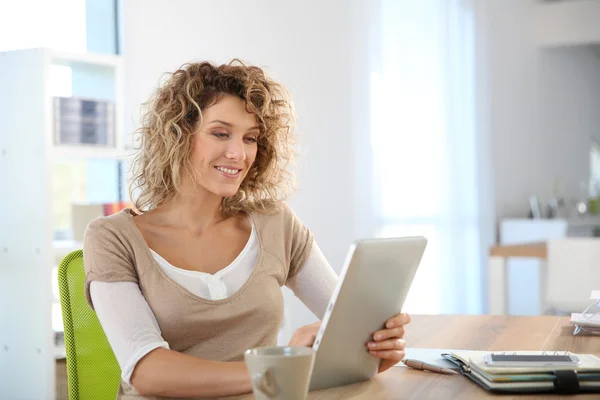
(424, 146)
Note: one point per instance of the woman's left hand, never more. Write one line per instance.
(388, 344)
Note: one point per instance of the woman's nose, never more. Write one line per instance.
(236, 150)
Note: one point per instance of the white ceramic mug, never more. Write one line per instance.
(280, 373)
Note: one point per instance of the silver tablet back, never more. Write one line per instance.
(371, 289)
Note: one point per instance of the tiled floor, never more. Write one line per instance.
(61, 380)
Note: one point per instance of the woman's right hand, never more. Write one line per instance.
(306, 335)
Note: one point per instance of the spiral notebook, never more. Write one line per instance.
(583, 377)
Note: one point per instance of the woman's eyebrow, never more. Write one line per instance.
(221, 122)
(229, 124)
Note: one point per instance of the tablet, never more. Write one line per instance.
(523, 360)
(371, 289)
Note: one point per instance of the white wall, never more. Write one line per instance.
(540, 108)
(569, 93)
(535, 106)
(316, 49)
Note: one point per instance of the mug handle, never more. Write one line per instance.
(265, 382)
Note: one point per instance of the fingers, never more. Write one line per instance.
(389, 333)
(303, 340)
(398, 320)
(305, 336)
(393, 355)
(390, 344)
(394, 327)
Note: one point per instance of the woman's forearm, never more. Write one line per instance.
(169, 373)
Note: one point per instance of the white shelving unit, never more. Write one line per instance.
(28, 252)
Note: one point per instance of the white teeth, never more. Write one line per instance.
(228, 171)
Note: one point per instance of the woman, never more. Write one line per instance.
(189, 281)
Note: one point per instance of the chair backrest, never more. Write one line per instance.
(573, 271)
(92, 369)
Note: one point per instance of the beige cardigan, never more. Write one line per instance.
(115, 251)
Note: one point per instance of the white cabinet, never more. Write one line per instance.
(27, 227)
(523, 275)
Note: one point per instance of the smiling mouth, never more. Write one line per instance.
(228, 171)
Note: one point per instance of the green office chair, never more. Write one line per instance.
(92, 369)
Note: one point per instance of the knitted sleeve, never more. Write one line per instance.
(299, 241)
(106, 255)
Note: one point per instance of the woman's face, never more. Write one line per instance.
(224, 146)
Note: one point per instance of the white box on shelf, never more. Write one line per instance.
(82, 215)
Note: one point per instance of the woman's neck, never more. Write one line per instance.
(194, 213)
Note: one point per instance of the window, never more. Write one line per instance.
(423, 144)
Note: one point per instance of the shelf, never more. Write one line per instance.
(574, 221)
(59, 348)
(60, 352)
(83, 151)
(106, 60)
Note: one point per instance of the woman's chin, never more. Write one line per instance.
(222, 190)
(226, 192)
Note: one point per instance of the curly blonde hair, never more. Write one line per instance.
(170, 119)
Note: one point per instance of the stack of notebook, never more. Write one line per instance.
(581, 377)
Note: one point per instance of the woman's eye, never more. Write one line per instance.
(221, 135)
(251, 139)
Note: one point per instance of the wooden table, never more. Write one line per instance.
(477, 332)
